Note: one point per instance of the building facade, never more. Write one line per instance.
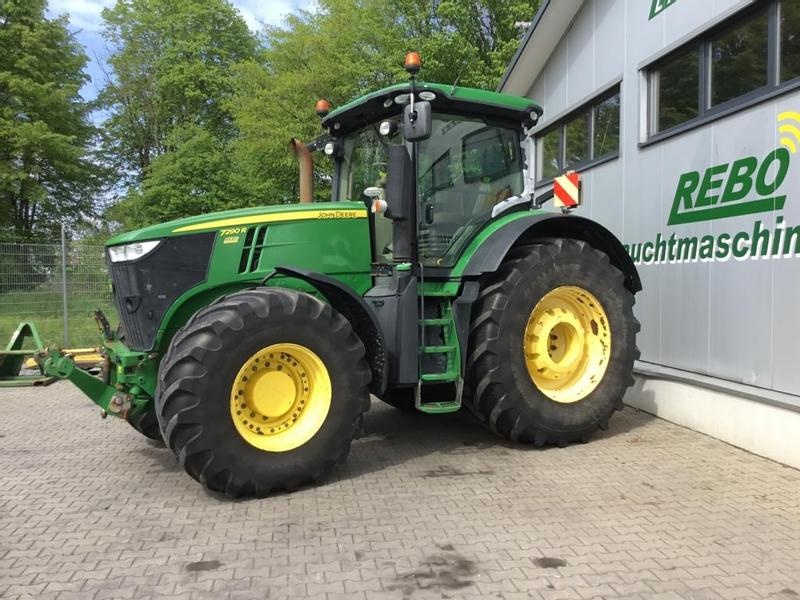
(683, 117)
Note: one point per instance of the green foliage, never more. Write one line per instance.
(47, 173)
(167, 96)
(347, 48)
(473, 40)
(341, 51)
(202, 112)
(194, 178)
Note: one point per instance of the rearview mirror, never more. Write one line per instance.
(417, 121)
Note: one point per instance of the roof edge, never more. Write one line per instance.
(523, 44)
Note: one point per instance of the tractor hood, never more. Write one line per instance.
(244, 217)
(164, 273)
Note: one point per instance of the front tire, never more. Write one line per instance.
(146, 423)
(263, 391)
(552, 344)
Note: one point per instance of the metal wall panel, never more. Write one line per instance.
(580, 57)
(643, 37)
(606, 183)
(641, 221)
(684, 17)
(555, 87)
(741, 292)
(609, 31)
(685, 290)
(786, 283)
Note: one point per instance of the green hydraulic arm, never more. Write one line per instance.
(55, 364)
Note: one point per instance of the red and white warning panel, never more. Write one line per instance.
(567, 190)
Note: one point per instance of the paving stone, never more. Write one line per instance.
(424, 508)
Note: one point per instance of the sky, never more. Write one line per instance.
(85, 22)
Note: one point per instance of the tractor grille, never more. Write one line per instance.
(253, 246)
(145, 288)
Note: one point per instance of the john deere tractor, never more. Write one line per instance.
(251, 340)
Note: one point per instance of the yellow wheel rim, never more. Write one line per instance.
(280, 397)
(567, 344)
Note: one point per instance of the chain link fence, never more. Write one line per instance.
(57, 287)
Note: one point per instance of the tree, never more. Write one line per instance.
(344, 48)
(193, 178)
(472, 40)
(347, 48)
(201, 113)
(47, 175)
(169, 68)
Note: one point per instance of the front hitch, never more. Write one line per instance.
(110, 399)
(127, 381)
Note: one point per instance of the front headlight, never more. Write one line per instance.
(131, 251)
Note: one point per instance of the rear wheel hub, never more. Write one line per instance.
(567, 344)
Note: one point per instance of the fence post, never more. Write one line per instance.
(64, 283)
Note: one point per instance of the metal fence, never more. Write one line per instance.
(56, 286)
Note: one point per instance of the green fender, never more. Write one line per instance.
(486, 252)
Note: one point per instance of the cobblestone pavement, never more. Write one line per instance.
(426, 507)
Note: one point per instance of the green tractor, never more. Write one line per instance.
(250, 340)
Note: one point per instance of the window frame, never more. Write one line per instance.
(703, 46)
(561, 125)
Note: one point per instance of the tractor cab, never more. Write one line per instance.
(467, 153)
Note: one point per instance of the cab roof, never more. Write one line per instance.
(453, 99)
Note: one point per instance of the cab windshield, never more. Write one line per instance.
(465, 168)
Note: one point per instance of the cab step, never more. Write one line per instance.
(445, 377)
(439, 407)
(437, 322)
(438, 349)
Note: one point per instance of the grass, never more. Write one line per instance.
(44, 307)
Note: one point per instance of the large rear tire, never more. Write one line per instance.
(263, 391)
(552, 344)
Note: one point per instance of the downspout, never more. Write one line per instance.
(306, 165)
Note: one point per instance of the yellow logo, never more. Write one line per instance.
(789, 127)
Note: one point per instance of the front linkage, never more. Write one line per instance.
(128, 379)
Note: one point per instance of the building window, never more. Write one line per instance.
(589, 134)
(790, 41)
(551, 154)
(578, 149)
(741, 60)
(606, 127)
(677, 82)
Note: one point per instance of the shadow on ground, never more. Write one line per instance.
(392, 437)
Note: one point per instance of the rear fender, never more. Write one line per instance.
(526, 230)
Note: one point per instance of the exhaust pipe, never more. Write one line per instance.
(306, 165)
